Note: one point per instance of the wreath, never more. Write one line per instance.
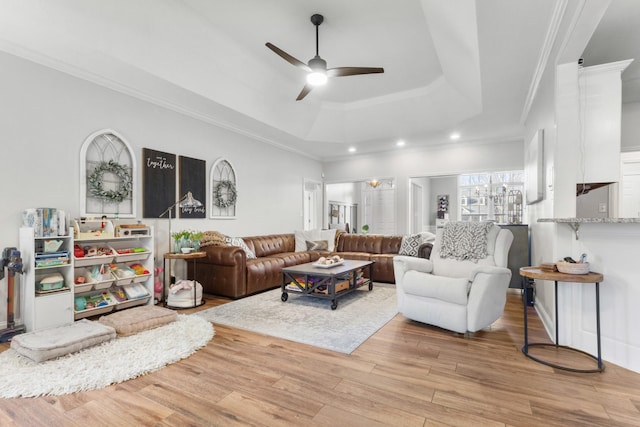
(96, 182)
(225, 194)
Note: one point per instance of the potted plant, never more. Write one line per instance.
(180, 240)
(365, 229)
(195, 237)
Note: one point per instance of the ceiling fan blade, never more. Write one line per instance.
(290, 59)
(352, 71)
(304, 92)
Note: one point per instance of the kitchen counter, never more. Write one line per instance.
(574, 223)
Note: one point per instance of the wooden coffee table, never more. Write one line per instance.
(320, 282)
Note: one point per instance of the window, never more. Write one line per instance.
(495, 196)
(108, 176)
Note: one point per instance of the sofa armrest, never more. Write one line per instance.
(224, 255)
(487, 296)
(424, 250)
(402, 264)
(223, 271)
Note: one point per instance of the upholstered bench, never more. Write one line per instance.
(138, 319)
(55, 342)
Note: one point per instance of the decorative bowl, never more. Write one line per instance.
(573, 267)
(186, 250)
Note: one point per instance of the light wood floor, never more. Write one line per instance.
(407, 374)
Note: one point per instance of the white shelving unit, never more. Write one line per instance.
(46, 308)
(143, 246)
(42, 309)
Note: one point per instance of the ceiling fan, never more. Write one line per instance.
(317, 67)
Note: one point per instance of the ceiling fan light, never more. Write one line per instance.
(317, 78)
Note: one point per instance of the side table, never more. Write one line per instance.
(539, 273)
(193, 256)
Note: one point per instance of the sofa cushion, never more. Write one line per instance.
(410, 244)
(357, 256)
(360, 243)
(291, 258)
(238, 241)
(264, 273)
(330, 237)
(304, 236)
(449, 289)
(318, 245)
(271, 244)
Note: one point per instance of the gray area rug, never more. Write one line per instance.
(310, 320)
(109, 363)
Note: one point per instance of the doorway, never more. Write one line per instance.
(312, 205)
(630, 200)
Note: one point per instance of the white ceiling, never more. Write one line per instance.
(618, 38)
(462, 65)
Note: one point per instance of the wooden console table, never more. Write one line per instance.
(538, 273)
(194, 256)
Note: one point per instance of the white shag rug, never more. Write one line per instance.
(109, 363)
(310, 320)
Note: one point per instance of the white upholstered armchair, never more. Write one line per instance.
(463, 286)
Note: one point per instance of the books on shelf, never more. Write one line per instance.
(51, 259)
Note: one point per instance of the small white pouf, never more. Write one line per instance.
(181, 294)
(55, 342)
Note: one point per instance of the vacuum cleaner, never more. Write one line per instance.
(13, 263)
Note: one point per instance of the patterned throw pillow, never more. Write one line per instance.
(237, 241)
(465, 240)
(410, 244)
(318, 245)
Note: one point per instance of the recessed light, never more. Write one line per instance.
(400, 143)
(352, 149)
(454, 136)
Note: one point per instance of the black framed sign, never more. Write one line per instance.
(159, 182)
(192, 178)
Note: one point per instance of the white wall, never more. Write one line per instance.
(46, 115)
(447, 185)
(630, 126)
(611, 248)
(346, 192)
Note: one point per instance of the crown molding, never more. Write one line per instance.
(543, 58)
(68, 69)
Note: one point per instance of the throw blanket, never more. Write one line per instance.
(465, 240)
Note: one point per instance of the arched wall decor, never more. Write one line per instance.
(223, 189)
(108, 178)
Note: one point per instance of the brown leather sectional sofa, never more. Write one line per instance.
(226, 271)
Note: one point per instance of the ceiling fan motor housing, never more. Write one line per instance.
(317, 19)
(318, 64)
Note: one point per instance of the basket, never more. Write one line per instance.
(573, 268)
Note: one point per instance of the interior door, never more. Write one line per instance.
(630, 200)
(312, 205)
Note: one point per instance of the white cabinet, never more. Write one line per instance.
(51, 310)
(46, 301)
(600, 94)
(108, 280)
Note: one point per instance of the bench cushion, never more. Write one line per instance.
(55, 342)
(138, 319)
